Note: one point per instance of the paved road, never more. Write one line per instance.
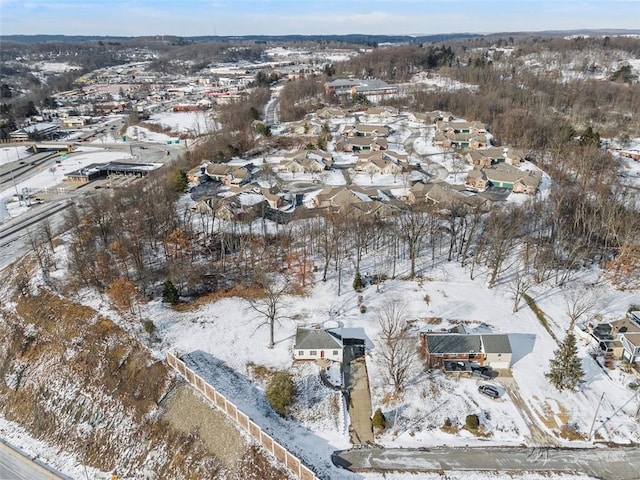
(605, 463)
(14, 466)
(14, 234)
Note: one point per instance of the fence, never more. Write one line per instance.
(280, 453)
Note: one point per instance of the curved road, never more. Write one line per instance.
(605, 463)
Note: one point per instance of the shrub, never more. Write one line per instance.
(447, 423)
(149, 326)
(363, 309)
(472, 421)
(170, 293)
(280, 392)
(357, 282)
(379, 421)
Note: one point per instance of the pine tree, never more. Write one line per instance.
(565, 369)
(170, 293)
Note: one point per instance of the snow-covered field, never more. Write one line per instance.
(196, 123)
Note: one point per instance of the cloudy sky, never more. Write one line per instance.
(274, 17)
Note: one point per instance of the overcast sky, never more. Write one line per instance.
(275, 17)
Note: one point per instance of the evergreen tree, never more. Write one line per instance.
(357, 282)
(379, 421)
(566, 371)
(280, 392)
(170, 293)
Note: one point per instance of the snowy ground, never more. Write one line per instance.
(197, 123)
(226, 331)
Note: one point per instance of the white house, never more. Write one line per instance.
(317, 343)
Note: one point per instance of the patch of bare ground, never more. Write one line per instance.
(187, 412)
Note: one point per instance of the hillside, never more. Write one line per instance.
(95, 394)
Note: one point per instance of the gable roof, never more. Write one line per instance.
(316, 338)
(496, 343)
(453, 343)
(442, 343)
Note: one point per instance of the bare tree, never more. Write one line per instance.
(413, 223)
(269, 307)
(580, 302)
(520, 285)
(398, 352)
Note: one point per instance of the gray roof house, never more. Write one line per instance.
(485, 349)
(317, 343)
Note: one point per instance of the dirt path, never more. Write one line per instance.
(187, 412)
(361, 430)
(539, 437)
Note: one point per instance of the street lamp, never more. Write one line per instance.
(13, 180)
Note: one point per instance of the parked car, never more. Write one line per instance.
(489, 391)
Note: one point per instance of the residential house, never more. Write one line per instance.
(444, 196)
(328, 113)
(197, 175)
(519, 181)
(627, 331)
(476, 180)
(399, 158)
(377, 164)
(315, 343)
(366, 130)
(340, 197)
(493, 350)
(386, 112)
(227, 174)
(302, 165)
(357, 144)
(514, 156)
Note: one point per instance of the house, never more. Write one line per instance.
(328, 113)
(340, 197)
(493, 350)
(227, 174)
(378, 165)
(444, 196)
(627, 331)
(476, 180)
(197, 175)
(519, 181)
(365, 130)
(386, 112)
(315, 343)
(357, 144)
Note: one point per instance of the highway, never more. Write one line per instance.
(15, 466)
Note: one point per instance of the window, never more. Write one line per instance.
(300, 353)
(313, 353)
(335, 353)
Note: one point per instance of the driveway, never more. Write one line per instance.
(358, 396)
(539, 437)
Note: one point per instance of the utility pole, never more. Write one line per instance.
(594, 416)
(13, 180)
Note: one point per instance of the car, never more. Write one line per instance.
(489, 391)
